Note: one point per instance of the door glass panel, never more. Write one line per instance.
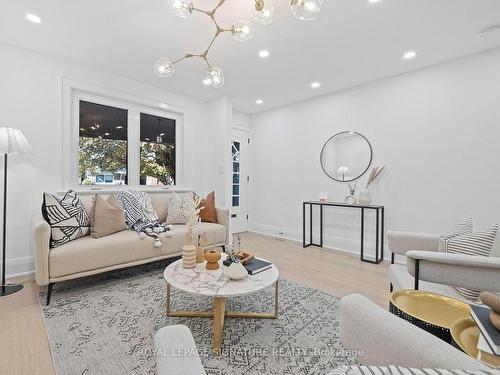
(235, 152)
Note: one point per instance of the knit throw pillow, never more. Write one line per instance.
(477, 244)
(67, 218)
(176, 213)
(464, 227)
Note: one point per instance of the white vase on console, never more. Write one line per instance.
(364, 197)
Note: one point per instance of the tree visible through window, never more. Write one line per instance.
(157, 150)
(102, 144)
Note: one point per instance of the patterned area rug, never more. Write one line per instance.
(105, 325)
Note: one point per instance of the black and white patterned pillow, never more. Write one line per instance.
(464, 227)
(67, 217)
(478, 244)
(398, 370)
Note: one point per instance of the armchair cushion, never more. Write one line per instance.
(401, 279)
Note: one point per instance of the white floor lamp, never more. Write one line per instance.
(12, 142)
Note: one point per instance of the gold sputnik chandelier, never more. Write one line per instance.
(241, 30)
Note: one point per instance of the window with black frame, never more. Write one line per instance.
(157, 150)
(102, 145)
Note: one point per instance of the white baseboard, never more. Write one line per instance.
(19, 267)
(329, 242)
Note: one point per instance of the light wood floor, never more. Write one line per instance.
(23, 340)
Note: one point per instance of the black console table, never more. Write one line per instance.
(379, 212)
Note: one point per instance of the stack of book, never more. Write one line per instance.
(254, 266)
(489, 340)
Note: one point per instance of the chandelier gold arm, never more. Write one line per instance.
(259, 5)
(219, 30)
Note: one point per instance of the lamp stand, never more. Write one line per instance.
(5, 290)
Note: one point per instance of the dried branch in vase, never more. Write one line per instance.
(374, 175)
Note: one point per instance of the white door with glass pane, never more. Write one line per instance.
(240, 179)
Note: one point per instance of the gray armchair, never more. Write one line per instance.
(439, 272)
(386, 339)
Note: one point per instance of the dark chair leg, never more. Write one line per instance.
(49, 292)
(417, 273)
(391, 288)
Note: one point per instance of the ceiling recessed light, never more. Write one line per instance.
(119, 127)
(33, 18)
(207, 81)
(264, 54)
(315, 85)
(259, 101)
(374, 1)
(106, 133)
(409, 55)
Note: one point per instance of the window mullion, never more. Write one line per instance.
(133, 146)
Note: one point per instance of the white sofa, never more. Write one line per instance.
(437, 271)
(89, 256)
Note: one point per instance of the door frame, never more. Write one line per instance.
(244, 134)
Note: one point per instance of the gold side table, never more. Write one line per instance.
(432, 312)
(465, 336)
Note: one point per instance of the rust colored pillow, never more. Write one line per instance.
(208, 213)
(107, 216)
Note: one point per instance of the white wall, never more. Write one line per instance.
(220, 112)
(30, 99)
(437, 130)
(242, 120)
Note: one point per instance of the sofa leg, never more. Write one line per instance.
(49, 292)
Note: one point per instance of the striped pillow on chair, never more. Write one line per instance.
(478, 244)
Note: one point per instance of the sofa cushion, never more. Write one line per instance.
(401, 279)
(176, 212)
(107, 217)
(208, 213)
(67, 217)
(86, 254)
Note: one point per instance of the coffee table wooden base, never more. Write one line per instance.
(219, 313)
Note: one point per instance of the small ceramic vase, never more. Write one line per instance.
(236, 271)
(200, 254)
(212, 257)
(364, 197)
(188, 256)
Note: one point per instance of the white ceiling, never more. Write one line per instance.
(352, 42)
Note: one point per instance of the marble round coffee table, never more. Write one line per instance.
(199, 281)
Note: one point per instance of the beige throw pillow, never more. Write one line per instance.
(107, 216)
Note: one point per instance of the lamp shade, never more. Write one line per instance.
(343, 172)
(13, 142)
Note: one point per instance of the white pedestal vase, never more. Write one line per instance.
(364, 197)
